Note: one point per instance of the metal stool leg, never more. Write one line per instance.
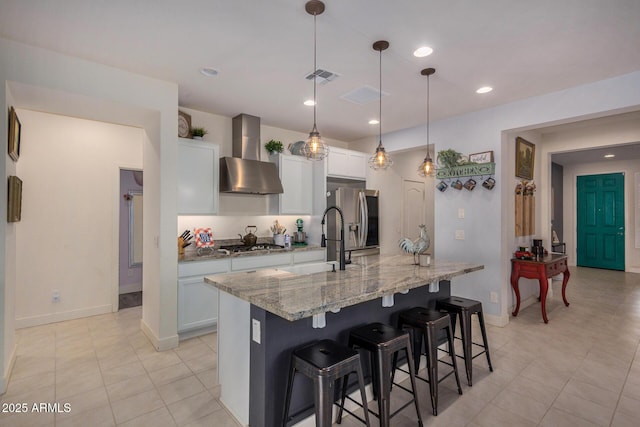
(465, 332)
(412, 375)
(363, 395)
(324, 400)
(287, 399)
(452, 353)
(484, 339)
(432, 367)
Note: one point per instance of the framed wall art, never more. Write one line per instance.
(14, 135)
(525, 157)
(14, 202)
(485, 157)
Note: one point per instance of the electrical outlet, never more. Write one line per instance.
(459, 234)
(56, 296)
(461, 213)
(494, 297)
(255, 330)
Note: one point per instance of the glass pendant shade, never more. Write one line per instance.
(380, 160)
(314, 147)
(426, 168)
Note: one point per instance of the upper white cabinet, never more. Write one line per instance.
(296, 174)
(343, 163)
(198, 170)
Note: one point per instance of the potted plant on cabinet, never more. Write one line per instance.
(274, 146)
(198, 133)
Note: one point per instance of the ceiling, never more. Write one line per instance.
(264, 49)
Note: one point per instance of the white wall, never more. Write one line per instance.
(67, 228)
(488, 225)
(47, 81)
(7, 260)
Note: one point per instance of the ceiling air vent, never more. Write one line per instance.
(322, 76)
(363, 95)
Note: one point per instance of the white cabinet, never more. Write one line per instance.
(343, 163)
(197, 300)
(296, 175)
(198, 170)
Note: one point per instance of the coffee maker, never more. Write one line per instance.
(537, 249)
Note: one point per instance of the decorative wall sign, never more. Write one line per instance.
(14, 135)
(466, 170)
(14, 202)
(486, 157)
(525, 157)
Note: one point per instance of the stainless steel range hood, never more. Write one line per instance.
(244, 172)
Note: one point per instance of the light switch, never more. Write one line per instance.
(459, 234)
(255, 330)
(461, 213)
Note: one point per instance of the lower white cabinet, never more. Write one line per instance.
(197, 300)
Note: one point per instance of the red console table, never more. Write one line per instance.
(541, 269)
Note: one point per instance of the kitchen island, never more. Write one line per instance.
(264, 314)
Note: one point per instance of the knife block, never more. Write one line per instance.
(180, 246)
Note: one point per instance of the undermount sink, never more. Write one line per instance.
(311, 268)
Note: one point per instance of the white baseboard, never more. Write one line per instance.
(197, 332)
(633, 270)
(131, 287)
(4, 381)
(493, 320)
(159, 344)
(44, 319)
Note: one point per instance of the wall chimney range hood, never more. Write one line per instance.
(244, 172)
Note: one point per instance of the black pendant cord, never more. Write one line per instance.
(428, 154)
(315, 70)
(380, 110)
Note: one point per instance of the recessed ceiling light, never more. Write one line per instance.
(309, 103)
(608, 156)
(484, 89)
(209, 72)
(422, 51)
(374, 121)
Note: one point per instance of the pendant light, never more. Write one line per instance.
(380, 160)
(314, 147)
(427, 167)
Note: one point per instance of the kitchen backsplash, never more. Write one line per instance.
(228, 227)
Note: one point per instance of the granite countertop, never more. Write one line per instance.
(210, 255)
(297, 296)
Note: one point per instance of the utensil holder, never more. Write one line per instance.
(278, 239)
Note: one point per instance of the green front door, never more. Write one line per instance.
(601, 221)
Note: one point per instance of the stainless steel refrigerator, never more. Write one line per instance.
(361, 227)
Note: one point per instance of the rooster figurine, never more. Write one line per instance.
(418, 246)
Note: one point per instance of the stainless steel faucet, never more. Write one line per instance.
(323, 242)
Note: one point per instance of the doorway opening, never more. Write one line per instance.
(130, 239)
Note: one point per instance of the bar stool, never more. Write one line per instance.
(384, 342)
(324, 362)
(463, 307)
(428, 323)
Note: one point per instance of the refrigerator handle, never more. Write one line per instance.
(364, 220)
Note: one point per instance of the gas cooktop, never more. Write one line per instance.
(243, 248)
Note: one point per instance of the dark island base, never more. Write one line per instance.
(270, 360)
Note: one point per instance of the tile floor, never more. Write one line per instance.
(580, 369)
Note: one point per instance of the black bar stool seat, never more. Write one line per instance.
(464, 307)
(427, 323)
(324, 362)
(383, 342)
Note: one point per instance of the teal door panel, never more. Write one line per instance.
(600, 222)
